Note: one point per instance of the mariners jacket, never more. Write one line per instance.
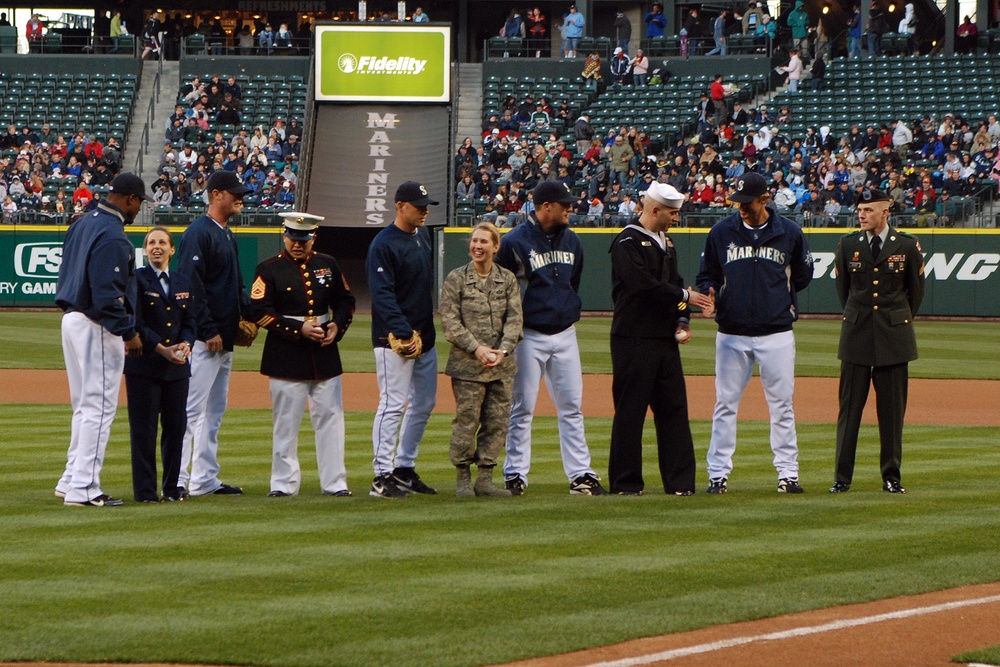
(401, 282)
(880, 296)
(548, 268)
(472, 316)
(162, 318)
(285, 291)
(207, 254)
(756, 274)
(97, 273)
(646, 288)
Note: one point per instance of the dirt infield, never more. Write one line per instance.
(930, 401)
(917, 631)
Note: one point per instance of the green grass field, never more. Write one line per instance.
(988, 656)
(320, 581)
(947, 349)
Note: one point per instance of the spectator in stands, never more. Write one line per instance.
(623, 30)
(907, 26)
(695, 30)
(163, 195)
(619, 67)
(925, 204)
(640, 68)
(573, 24)
(227, 115)
(244, 40)
(878, 25)
(656, 22)
(93, 148)
(967, 36)
(265, 41)
(12, 139)
(33, 33)
(818, 71)
(537, 28)
(719, 34)
(513, 27)
(752, 18)
(620, 155)
(273, 150)
(217, 38)
(152, 35)
(767, 32)
(9, 209)
(592, 71)
(283, 39)
(798, 21)
(419, 16)
(793, 69)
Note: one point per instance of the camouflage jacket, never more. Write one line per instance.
(471, 317)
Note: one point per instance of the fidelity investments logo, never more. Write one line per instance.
(351, 64)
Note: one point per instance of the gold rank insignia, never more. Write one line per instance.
(259, 288)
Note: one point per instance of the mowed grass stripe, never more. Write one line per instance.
(435, 580)
(949, 350)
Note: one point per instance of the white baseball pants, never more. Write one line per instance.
(557, 359)
(407, 393)
(326, 410)
(734, 361)
(206, 403)
(95, 360)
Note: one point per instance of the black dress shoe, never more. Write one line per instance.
(149, 500)
(627, 493)
(891, 486)
(343, 493)
(226, 490)
(103, 500)
(278, 494)
(840, 487)
(176, 499)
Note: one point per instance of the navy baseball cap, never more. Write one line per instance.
(127, 184)
(748, 187)
(227, 181)
(871, 195)
(414, 193)
(552, 192)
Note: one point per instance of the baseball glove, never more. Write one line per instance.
(246, 332)
(399, 346)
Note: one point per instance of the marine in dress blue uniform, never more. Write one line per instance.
(97, 293)
(303, 301)
(157, 382)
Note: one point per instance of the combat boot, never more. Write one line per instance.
(486, 487)
(463, 487)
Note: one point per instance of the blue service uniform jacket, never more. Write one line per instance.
(162, 319)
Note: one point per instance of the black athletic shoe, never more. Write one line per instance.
(278, 494)
(227, 490)
(515, 485)
(587, 485)
(384, 486)
(682, 492)
(718, 485)
(409, 481)
(892, 487)
(343, 493)
(840, 487)
(789, 485)
(103, 500)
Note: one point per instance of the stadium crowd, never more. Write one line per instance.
(925, 164)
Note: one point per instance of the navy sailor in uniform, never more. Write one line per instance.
(302, 299)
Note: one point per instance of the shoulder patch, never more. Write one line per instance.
(259, 288)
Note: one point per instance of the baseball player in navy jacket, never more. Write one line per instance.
(755, 261)
(96, 290)
(207, 253)
(547, 259)
(157, 382)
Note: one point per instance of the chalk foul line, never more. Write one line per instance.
(794, 632)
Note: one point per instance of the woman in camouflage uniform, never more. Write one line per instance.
(481, 318)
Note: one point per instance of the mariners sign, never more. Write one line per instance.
(383, 63)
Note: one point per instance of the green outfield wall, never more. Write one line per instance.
(961, 268)
(30, 257)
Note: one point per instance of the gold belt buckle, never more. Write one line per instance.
(311, 318)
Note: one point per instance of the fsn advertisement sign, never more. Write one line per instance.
(383, 63)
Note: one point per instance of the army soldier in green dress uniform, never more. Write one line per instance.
(880, 282)
(303, 301)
